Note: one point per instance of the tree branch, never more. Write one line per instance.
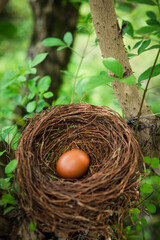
(145, 91)
(111, 45)
(129, 97)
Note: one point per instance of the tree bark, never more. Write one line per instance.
(129, 97)
(3, 3)
(52, 18)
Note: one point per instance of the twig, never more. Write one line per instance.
(143, 234)
(145, 91)
(77, 73)
(150, 115)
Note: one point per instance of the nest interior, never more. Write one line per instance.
(99, 201)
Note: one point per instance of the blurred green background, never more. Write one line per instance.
(15, 41)
(16, 27)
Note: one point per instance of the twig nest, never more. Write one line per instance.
(97, 202)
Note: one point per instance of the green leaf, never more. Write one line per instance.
(128, 29)
(9, 134)
(31, 106)
(128, 229)
(125, 7)
(144, 222)
(155, 163)
(4, 132)
(137, 44)
(44, 84)
(31, 96)
(29, 65)
(48, 94)
(21, 79)
(134, 218)
(155, 180)
(144, 45)
(8, 209)
(131, 55)
(148, 29)
(151, 14)
(87, 84)
(15, 140)
(90, 83)
(31, 71)
(8, 198)
(38, 59)
(114, 66)
(16, 188)
(32, 226)
(148, 171)
(52, 42)
(148, 2)
(4, 184)
(145, 75)
(3, 203)
(9, 78)
(40, 105)
(32, 84)
(135, 211)
(150, 207)
(153, 47)
(152, 22)
(146, 188)
(130, 80)
(60, 48)
(11, 166)
(147, 160)
(1, 153)
(139, 228)
(68, 39)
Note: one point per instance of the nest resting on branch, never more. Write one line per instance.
(99, 201)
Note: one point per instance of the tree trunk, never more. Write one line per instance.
(3, 3)
(129, 97)
(52, 18)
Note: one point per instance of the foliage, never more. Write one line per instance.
(7, 199)
(36, 88)
(16, 24)
(143, 33)
(32, 226)
(26, 89)
(141, 216)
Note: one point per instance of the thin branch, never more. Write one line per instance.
(79, 66)
(145, 91)
(72, 49)
(150, 115)
(143, 234)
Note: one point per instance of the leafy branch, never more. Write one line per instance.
(145, 91)
(79, 66)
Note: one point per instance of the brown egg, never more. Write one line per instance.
(72, 164)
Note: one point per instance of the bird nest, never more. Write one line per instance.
(97, 203)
